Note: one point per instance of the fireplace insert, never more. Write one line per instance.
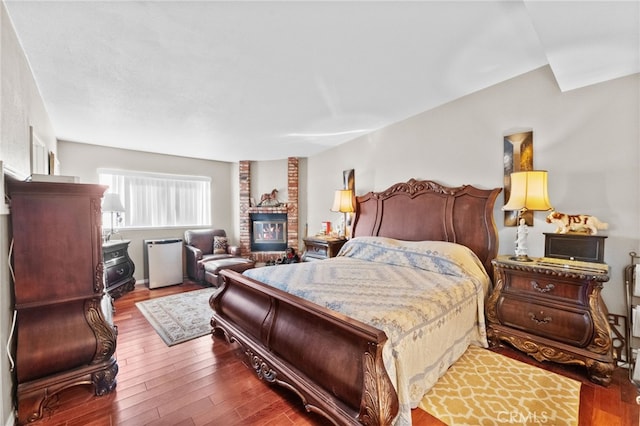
(268, 231)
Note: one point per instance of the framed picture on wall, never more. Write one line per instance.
(518, 157)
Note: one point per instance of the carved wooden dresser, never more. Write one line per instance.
(63, 332)
(552, 309)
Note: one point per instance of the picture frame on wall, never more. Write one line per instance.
(518, 157)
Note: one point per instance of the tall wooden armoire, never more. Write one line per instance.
(64, 335)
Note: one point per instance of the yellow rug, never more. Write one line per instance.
(485, 388)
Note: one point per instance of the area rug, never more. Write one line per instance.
(486, 388)
(179, 317)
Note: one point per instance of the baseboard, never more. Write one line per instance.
(145, 282)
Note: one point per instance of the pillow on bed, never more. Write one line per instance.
(435, 256)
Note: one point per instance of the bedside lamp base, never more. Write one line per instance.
(521, 258)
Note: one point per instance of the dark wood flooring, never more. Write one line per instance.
(205, 382)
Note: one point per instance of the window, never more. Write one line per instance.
(158, 199)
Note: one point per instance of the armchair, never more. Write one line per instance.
(199, 249)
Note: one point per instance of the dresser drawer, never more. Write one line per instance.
(572, 292)
(572, 327)
(118, 271)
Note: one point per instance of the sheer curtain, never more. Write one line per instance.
(160, 200)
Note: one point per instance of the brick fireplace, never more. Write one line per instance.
(290, 208)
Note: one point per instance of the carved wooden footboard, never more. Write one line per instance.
(333, 362)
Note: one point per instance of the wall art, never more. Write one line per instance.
(518, 157)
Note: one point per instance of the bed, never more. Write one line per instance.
(358, 365)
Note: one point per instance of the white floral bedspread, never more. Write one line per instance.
(428, 297)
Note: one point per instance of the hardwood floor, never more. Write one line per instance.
(205, 382)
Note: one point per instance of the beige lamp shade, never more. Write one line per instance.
(343, 201)
(528, 191)
(111, 203)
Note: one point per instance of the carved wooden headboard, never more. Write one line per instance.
(425, 210)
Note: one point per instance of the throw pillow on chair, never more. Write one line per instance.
(219, 245)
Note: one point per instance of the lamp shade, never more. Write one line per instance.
(111, 203)
(528, 191)
(343, 201)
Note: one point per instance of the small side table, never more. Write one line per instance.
(319, 247)
(118, 268)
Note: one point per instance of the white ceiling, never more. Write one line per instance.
(267, 80)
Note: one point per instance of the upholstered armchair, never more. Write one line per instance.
(199, 249)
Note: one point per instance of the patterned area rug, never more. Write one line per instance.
(485, 388)
(179, 317)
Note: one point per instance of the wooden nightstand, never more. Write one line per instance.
(552, 310)
(318, 247)
(118, 268)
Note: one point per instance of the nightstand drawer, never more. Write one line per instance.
(540, 285)
(321, 248)
(317, 251)
(114, 255)
(573, 328)
(119, 271)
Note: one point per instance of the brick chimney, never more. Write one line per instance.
(290, 207)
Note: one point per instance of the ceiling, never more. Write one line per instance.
(268, 80)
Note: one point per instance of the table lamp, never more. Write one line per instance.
(343, 203)
(111, 204)
(528, 192)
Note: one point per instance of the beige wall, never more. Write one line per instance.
(21, 107)
(83, 160)
(588, 139)
(267, 176)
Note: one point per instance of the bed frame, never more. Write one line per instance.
(333, 362)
